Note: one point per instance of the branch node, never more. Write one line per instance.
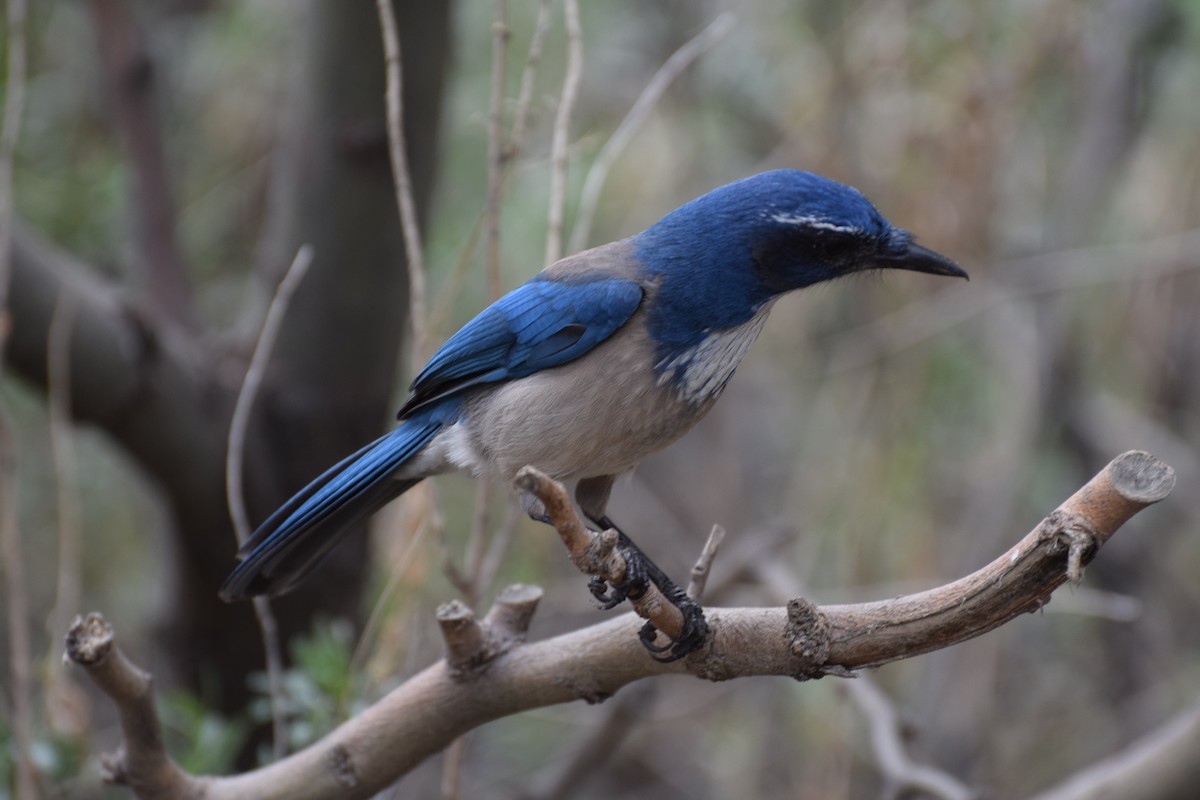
(509, 618)
(466, 644)
(808, 636)
(602, 546)
(341, 761)
(112, 768)
(1081, 546)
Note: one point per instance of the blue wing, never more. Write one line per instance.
(541, 324)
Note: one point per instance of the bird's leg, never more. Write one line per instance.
(639, 571)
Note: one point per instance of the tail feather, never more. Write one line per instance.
(293, 540)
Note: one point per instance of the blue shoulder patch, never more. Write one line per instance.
(541, 324)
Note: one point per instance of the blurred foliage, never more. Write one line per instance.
(884, 435)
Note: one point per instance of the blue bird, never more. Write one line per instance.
(598, 361)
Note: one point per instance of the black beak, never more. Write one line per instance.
(921, 259)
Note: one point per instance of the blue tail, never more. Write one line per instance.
(293, 540)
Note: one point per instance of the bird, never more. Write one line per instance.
(596, 362)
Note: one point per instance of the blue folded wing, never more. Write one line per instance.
(541, 324)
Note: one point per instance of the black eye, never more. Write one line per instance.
(833, 247)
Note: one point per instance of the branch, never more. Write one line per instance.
(491, 673)
(561, 139)
(495, 153)
(129, 72)
(899, 770)
(671, 69)
(142, 762)
(20, 655)
(402, 179)
(1160, 765)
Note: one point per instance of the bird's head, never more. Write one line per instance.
(784, 230)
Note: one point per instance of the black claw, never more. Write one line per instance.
(633, 587)
(600, 590)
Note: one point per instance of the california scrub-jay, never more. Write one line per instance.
(596, 362)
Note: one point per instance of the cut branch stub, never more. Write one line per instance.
(466, 645)
(141, 762)
(512, 612)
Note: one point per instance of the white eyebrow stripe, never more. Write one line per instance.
(813, 222)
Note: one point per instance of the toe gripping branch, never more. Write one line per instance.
(620, 571)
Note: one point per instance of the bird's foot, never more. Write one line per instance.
(637, 580)
(640, 571)
(633, 587)
(691, 639)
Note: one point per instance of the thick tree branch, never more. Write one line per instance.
(491, 674)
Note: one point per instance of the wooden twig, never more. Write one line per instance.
(612, 149)
(240, 421)
(234, 457)
(901, 773)
(1161, 765)
(402, 179)
(130, 74)
(495, 150)
(20, 653)
(516, 139)
(703, 566)
(59, 686)
(561, 139)
(502, 677)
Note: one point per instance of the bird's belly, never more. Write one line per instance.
(570, 426)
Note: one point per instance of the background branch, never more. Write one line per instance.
(131, 77)
(20, 651)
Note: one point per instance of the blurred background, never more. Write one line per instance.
(884, 435)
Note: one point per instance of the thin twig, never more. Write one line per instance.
(495, 153)
(899, 770)
(10, 131)
(452, 768)
(67, 592)
(403, 181)
(19, 648)
(240, 420)
(234, 457)
(396, 570)
(562, 133)
(703, 565)
(520, 122)
(500, 542)
(479, 540)
(62, 447)
(667, 73)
